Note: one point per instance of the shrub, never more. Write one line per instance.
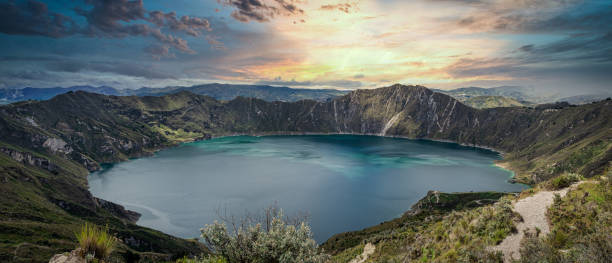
(95, 241)
(271, 239)
(207, 259)
(565, 180)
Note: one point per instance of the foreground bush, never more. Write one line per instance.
(565, 180)
(270, 239)
(206, 259)
(95, 242)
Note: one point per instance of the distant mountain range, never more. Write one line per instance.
(505, 96)
(9, 95)
(514, 92)
(215, 90)
(523, 95)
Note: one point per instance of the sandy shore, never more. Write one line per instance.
(503, 166)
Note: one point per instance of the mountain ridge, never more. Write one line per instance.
(79, 130)
(216, 90)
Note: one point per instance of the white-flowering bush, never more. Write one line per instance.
(263, 241)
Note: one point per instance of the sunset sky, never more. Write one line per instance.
(560, 45)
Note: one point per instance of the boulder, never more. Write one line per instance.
(72, 257)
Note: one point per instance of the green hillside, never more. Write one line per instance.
(482, 102)
(48, 147)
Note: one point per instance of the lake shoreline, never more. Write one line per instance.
(452, 145)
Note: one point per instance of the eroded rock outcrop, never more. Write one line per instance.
(30, 159)
(118, 210)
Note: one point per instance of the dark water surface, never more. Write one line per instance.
(343, 182)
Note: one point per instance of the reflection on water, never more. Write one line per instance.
(343, 182)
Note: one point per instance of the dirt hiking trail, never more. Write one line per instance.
(533, 210)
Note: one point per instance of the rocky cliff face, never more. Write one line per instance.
(30, 159)
(91, 127)
(74, 132)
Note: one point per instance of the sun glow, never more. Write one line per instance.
(371, 45)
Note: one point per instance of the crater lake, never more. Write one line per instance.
(342, 182)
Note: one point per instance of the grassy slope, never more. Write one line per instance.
(38, 221)
(540, 143)
(581, 227)
(429, 209)
(482, 102)
(581, 231)
(443, 227)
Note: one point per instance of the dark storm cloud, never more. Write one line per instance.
(261, 10)
(111, 18)
(105, 18)
(191, 25)
(33, 18)
(107, 67)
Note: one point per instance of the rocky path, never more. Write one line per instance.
(533, 210)
(368, 249)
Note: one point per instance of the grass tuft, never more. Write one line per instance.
(95, 241)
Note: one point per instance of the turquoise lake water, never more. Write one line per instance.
(343, 182)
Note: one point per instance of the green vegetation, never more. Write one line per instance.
(231, 91)
(96, 242)
(564, 180)
(348, 254)
(442, 227)
(41, 211)
(48, 147)
(581, 227)
(271, 239)
(178, 135)
(483, 102)
(203, 259)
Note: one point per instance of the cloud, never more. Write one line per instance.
(533, 16)
(215, 43)
(580, 48)
(333, 83)
(33, 18)
(526, 48)
(125, 69)
(159, 51)
(192, 26)
(261, 10)
(106, 18)
(343, 7)
(112, 18)
(29, 75)
(581, 60)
